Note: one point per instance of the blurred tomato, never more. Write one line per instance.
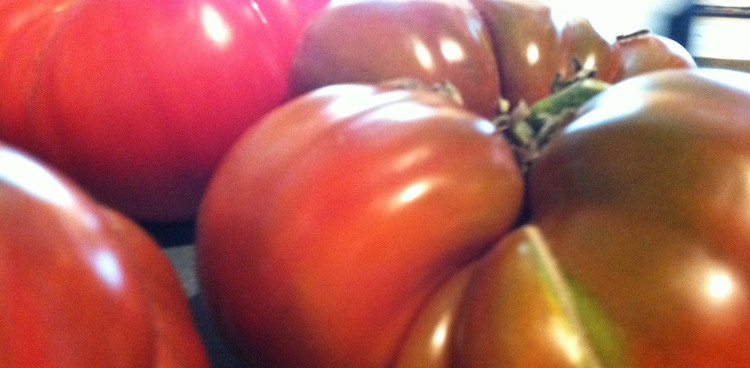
(532, 51)
(80, 284)
(368, 41)
(138, 100)
(374, 40)
(643, 52)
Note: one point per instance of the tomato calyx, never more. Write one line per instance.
(446, 89)
(632, 35)
(529, 128)
(581, 72)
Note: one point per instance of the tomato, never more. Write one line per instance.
(526, 46)
(582, 42)
(80, 284)
(370, 41)
(137, 101)
(319, 240)
(366, 225)
(638, 248)
(643, 52)
(635, 252)
(644, 200)
(531, 50)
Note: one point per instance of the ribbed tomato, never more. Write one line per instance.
(80, 284)
(328, 225)
(637, 251)
(138, 100)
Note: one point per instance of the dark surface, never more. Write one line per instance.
(177, 242)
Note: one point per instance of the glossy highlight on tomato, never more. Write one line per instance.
(80, 284)
(634, 251)
(330, 244)
(138, 100)
(365, 41)
(644, 201)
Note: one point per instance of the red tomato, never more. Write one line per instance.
(137, 101)
(526, 44)
(328, 224)
(355, 226)
(644, 200)
(531, 50)
(370, 41)
(638, 252)
(643, 52)
(81, 285)
(582, 42)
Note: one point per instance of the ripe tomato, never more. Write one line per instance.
(300, 244)
(372, 40)
(138, 100)
(80, 284)
(365, 41)
(526, 45)
(644, 200)
(643, 52)
(328, 224)
(638, 251)
(531, 50)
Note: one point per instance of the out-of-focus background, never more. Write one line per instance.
(714, 31)
(614, 18)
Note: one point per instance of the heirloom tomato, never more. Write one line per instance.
(533, 52)
(512, 49)
(637, 251)
(331, 221)
(366, 41)
(643, 52)
(80, 284)
(644, 199)
(138, 100)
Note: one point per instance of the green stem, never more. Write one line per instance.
(569, 98)
(530, 128)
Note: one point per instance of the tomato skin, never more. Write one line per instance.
(430, 340)
(329, 242)
(582, 42)
(636, 251)
(137, 101)
(531, 50)
(177, 342)
(644, 199)
(527, 48)
(81, 285)
(646, 52)
(367, 41)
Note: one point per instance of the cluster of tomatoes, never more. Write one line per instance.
(415, 183)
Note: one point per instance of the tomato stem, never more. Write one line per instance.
(529, 128)
(632, 35)
(446, 89)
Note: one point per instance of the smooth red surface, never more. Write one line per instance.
(329, 224)
(434, 41)
(138, 100)
(644, 200)
(81, 285)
